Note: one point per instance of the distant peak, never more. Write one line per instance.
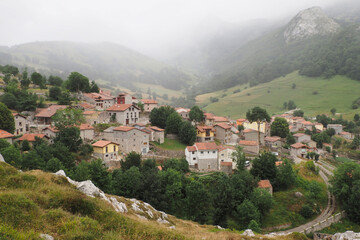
(308, 23)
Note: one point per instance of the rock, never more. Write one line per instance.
(141, 217)
(308, 23)
(172, 227)
(89, 188)
(2, 158)
(60, 173)
(136, 207)
(163, 221)
(46, 237)
(249, 233)
(298, 194)
(219, 227)
(149, 212)
(119, 206)
(348, 235)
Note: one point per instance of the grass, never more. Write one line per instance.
(342, 226)
(343, 159)
(338, 92)
(171, 144)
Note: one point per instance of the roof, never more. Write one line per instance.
(209, 116)
(223, 125)
(86, 105)
(120, 107)
(160, 168)
(102, 143)
(124, 128)
(226, 163)
(241, 119)
(5, 134)
(206, 146)
(224, 147)
(31, 137)
(89, 112)
(264, 184)
(220, 119)
(299, 145)
(204, 128)
(51, 128)
(86, 126)
(345, 133)
(272, 139)
(149, 101)
(249, 130)
(278, 163)
(157, 129)
(50, 111)
(18, 114)
(191, 148)
(334, 125)
(307, 123)
(98, 96)
(248, 143)
(299, 134)
(180, 110)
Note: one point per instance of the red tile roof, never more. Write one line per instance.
(124, 128)
(204, 128)
(5, 134)
(278, 163)
(272, 139)
(209, 116)
(223, 147)
(299, 145)
(120, 107)
(206, 146)
(157, 129)
(345, 133)
(223, 125)
(264, 184)
(220, 119)
(307, 123)
(226, 163)
(248, 143)
(86, 126)
(51, 128)
(102, 143)
(89, 112)
(50, 111)
(98, 96)
(299, 134)
(249, 130)
(86, 105)
(191, 148)
(31, 137)
(149, 101)
(18, 114)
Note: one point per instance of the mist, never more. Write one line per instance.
(152, 27)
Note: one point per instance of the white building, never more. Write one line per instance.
(203, 156)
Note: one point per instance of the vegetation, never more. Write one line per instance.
(171, 144)
(257, 115)
(7, 121)
(196, 114)
(280, 127)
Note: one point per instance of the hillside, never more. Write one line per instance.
(111, 63)
(34, 203)
(338, 92)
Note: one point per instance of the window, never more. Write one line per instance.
(20, 124)
(213, 151)
(209, 166)
(194, 158)
(222, 154)
(106, 149)
(202, 152)
(106, 155)
(193, 152)
(208, 152)
(114, 148)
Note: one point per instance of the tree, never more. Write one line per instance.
(54, 93)
(173, 123)
(180, 165)
(197, 195)
(280, 127)
(321, 138)
(65, 98)
(158, 116)
(291, 105)
(127, 183)
(9, 100)
(187, 133)
(94, 87)
(25, 81)
(196, 114)
(257, 115)
(285, 176)
(239, 158)
(298, 113)
(32, 160)
(82, 172)
(141, 106)
(264, 166)
(290, 139)
(55, 80)
(7, 78)
(25, 145)
(68, 117)
(293, 86)
(37, 79)
(262, 200)
(54, 165)
(70, 137)
(356, 117)
(355, 143)
(4, 144)
(333, 111)
(77, 82)
(7, 121)
(246, 212)
(99, 175)
(254, 226)
(12, 156)
(132, 159)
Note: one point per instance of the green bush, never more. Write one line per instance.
(306, 211)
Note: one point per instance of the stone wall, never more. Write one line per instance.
(325, 223)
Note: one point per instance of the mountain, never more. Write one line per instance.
(311, 42)
(105, 61)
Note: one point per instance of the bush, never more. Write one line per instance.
(306, 211)
(315, 92)
(214, 99)
(254, 226)
(236, 91)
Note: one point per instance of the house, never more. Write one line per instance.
(31, 137)
(205, 134)
(183, 112)
(209, 119)
(337, 127)
(218, 120)
(149, 104)
(301, 137)
(124, 98)
(87, 132)
(6, 136)
(44, 115)
(86, 106)
(319, 127)
(101, 101)
(252, 135)
(157, 134)
(254, 126)
(51, 133)
(203, 156)
(240, 121)
(250, 146)
(273, 142)
(21, 125)
(310, 143)
(306, 125)
(266, 185)
(131, 139)
(225, 157)
(124, 114)
(346, 135)
(95, 117)
(299, 149)
(223, 132)
(106, 150)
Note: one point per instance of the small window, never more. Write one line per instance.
(106, 155)
(213, 151)
(208, 152)
(222, 154)
(193, 152)
(194, 158)
(202, 152)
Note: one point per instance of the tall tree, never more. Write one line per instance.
(239, 158)
(158, 116)
(196, 114)
(173, 123)
(257, 115)
(68, 117)
(37, 79)
(7, 121)
(133, 159)
(77, 82)
(187, 133)
(264, 167)
(55, 80)
(280, 127)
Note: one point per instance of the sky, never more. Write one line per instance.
(144, 25)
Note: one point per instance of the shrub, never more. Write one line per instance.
(315, 92)
(236, 91)
(306, 211)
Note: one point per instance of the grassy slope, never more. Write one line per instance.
(338, 92)
(36, 202)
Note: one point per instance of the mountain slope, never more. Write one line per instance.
(107, 61)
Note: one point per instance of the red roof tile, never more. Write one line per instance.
(98, 96)
(223, 125)
(102, 143)
(51, 128)
(299, 145)
(226, 163)
(157, 129)
(50, 111)
(86, 105)
(191, 148)
(5, 134)
(86, 126)
(120, 107)
(89, 112)
(220, 119)
(209, 116)
(124, 128)
(248, 143)
(264, 184)
(345, 133)
(31, 137)
(249, 130)
(206, 146)
(149, 101)
(299, 134)
(204, 128)
(272, 139)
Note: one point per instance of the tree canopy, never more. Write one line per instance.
(196, 114)
(77, 82)
(7, 121)
(280, 127)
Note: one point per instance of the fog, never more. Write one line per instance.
(149, 26)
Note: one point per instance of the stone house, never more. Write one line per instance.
(86, 106)
(250, 146)
(184, 113)
(209, 119)
(273, 142)
(156, 134)
(106, 150)
(252, 135)
(101, 101)
(346, 135)
(205, 134)
(299, 149)
(95, 117)
(301, 137)
(337, 127)
(319, 127)
(131, 139)
(226, 158)
(51, 133)
(223, 132)
(45, 114)
(266, 185)
(124, 98)
(149, 104)
(21, 124)
(87, 132)
(309, 143)
(306, 125)
(6, 136)
(124, 114)
(203, 156)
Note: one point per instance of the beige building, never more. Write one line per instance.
(252, 135)
(21, 124)
(51, 133)
(250, 146)
(156, 134)
(299, 149)
(125, 98)
(87, 132)
(101, 101)
(6, 136)
(149, 104)
(226, 158)
(223, 132)
(301, 137)
(346, 135)
(273, 142)
(184, 113)
(131, 139)
(124, 114)
(209, 119)
(106, 150)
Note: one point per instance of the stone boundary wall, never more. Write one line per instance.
(325, 223)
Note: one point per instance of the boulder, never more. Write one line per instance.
(298, 194)
(249, 233)
(2, 158)
(46, 237)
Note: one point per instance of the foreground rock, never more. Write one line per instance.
(349, 235)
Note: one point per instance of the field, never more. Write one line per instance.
(171, 144)
(313, 95)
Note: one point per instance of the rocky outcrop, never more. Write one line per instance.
(346, 236)
(309, 23)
